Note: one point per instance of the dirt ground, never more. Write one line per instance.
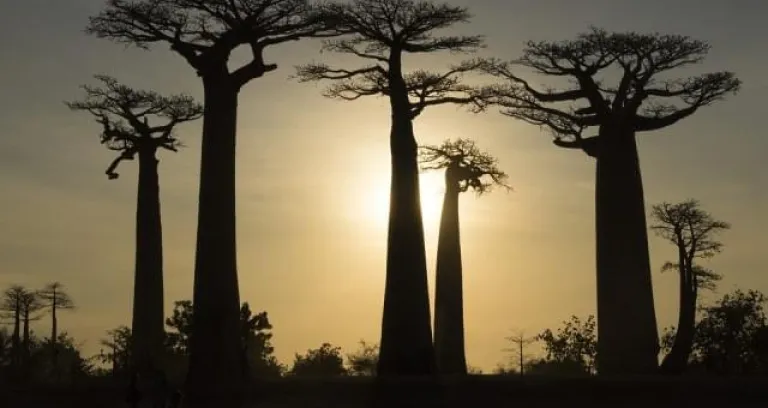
(468, 392)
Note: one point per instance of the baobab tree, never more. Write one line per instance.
(30, 304)
(54, 298)
(382, 32)
(205, 33)
(692, 231)
(13, 304)
(124, 115)
(466, 168)
(643, 99)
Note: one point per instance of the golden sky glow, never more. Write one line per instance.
(313, 180)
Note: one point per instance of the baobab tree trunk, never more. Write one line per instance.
(215, 351)
(627, 332)
(147, 327)
(406, 334)
(449, 299)
(16, 336)
(25, 342)
(676, 361)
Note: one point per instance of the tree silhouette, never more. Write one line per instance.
(466, 168)
(363, 362)
(205, 34)
(382, 32)
(13, 303)
(30, 304)
(325, 361)
(728, 335)
(645, 99)
(573, 344)
(692, 231)
(519, 340)
(119, 345)
(54, 298)
(124, 114)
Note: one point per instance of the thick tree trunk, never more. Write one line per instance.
(147, 326)
(25, 342)
(627, 332)
(406, 335)
(215, 378)
(449, 298)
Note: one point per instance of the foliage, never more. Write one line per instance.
(470, 167)
(363, 362)
(574, 344)
(325, 361)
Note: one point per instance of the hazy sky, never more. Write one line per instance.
(313, 179)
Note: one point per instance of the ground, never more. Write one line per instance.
(472, 391)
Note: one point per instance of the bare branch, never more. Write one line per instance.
(466, 164)
(124, 114)
(205, 32)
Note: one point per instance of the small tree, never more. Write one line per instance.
(325, 361)
(575, 342)
(205, 34)
(728, 336)
(124, 115)
(519, 341)
(382, 32)
(692, 230)
(119, 345)
(54, 298)
(466, 168)
(12, 303)
(643, 99)
(363, 362)
(30, 305)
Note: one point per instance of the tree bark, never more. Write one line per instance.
(627, 332)
(54, 337)
(147, 327)
(214, 378)
(16, 336)
(449, 299)
(406, 333)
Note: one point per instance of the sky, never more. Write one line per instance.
(313, 179)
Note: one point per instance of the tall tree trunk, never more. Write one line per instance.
(406, 334)
(16, 336)
(677, 360)
(147, 326)
(627, 332)
(25, 341)
(449, 298)
(215, 346)
(54, 337)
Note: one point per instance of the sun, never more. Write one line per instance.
(375, 201)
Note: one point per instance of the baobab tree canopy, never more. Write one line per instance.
(380, 31)
(205, 32)
(124, 114)
(474, 169)
(644, 98)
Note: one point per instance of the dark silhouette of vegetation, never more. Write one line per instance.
(692, 230)
(466, 168)
(54, 298)
(573, 348)
(125, 115)
(644, 99)
(382, 32)
(119, 343)
(730, 338)
(13, 304)
(205, 34)
(325, 361)
(519, 341)
(364, 360)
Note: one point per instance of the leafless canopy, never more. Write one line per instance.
(381, 29)
(18, 299)
(53, 295)
(477, 170)
(205, 32)
(124, 114)
(693, 230)
(643, 98)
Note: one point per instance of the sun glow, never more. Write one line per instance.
(375, 201)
